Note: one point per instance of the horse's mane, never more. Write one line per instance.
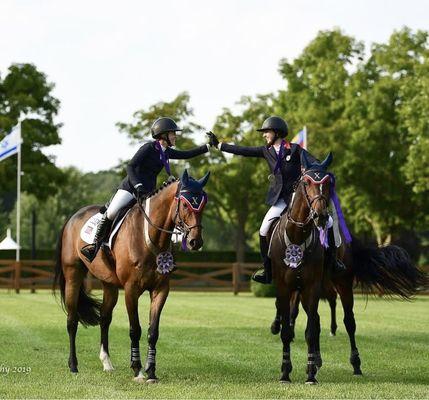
(170, 180)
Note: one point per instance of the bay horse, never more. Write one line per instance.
(140, 260)
(386, 271)
(297, 257)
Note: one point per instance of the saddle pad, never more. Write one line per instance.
(87, 233)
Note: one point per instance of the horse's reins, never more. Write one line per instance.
(182, 227)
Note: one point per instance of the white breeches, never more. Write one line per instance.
(273, 212)
(120, 200)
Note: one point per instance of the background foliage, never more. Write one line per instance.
(367, 105)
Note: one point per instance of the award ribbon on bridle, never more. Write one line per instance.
(164, 158)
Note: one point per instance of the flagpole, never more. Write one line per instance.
(18, 197)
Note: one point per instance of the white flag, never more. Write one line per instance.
(10, 143)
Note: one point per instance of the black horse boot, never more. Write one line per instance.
(263, 275)
(103, 228)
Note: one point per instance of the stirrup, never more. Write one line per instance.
(261, 276)
(339, 266)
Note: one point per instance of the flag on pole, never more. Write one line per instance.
(10, 143)
(301, 138)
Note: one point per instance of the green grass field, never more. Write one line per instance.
(213, 345)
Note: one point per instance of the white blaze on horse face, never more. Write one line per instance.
(105, 359)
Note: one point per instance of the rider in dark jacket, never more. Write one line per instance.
(284, 161)
(142, 172)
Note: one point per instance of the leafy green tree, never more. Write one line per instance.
(375, 173)
(78, 190)
(25, 91)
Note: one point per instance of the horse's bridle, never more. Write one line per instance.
(182, 227)
(310, 201)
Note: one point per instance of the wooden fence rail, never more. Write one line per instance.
(198, 276)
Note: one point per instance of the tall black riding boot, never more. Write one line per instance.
(335, 265)
(103, 229)
(263, 275)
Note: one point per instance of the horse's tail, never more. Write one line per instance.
(387, 270)
(88, 308)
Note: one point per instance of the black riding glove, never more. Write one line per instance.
(213, 140)
(141, 194)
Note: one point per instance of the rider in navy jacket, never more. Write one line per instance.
(284, 161)
(142, 172)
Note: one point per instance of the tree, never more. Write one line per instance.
(374, 172)
(25, 91)
(77, 191)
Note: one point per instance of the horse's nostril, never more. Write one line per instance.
(192, 242)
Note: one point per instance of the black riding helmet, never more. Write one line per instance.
(276, 124)
(163, 125)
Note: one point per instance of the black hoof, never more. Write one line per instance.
(357, 372)
(285, 381)
(73, 370)
(275, 327)
(311, 381)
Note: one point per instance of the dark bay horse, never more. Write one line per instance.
(386, 271)
(297, 256)
(140, 260)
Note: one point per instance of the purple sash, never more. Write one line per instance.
(341, 220)
(280, 156)
(163, 157)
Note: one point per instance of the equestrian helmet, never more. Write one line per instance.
(276, 124)
(163, 125)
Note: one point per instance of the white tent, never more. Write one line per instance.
(8, 243)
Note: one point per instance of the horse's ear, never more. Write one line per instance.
(304, 160)
(204, 179)
(327, 161)
(184, 178)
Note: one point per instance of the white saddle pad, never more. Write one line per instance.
(87, 233)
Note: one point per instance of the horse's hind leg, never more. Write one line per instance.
(276, 324)
(345, 291)
(158, 298)
(74, 275)
(110, 297)
(283, 304)
(332, 299)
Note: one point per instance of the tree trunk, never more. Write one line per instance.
(240, 241)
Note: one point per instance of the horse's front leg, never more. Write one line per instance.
(158, 297)
(310, 302)
(283, 307)
(132, 295)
